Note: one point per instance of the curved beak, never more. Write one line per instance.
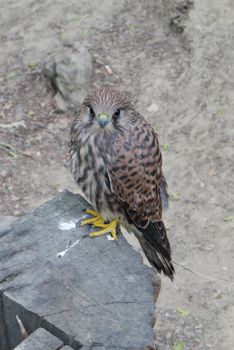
(103, 119)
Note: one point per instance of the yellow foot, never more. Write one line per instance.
(98, 221)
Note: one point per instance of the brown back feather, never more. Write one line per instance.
(136, 173)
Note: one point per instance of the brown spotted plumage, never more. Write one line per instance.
(117, 163)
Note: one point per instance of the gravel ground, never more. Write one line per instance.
(177, 62)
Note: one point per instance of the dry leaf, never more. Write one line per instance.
(27, 153)
(212, 172)
(176, 196)
(183, 312)
(228, 218)
(11, 75)
(179, 345)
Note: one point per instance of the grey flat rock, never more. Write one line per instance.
(6, 221)
(40, 340)
(91, 293)
(70, 74)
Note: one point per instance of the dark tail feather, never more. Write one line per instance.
(163, 192)
(155, 244)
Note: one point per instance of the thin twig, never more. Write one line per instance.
(213, 279)
(136, 58)
(23, 331)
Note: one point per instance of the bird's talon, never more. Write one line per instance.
(114, 235)
(99, 224)
(93, 212)
(91, 221)
(97, 221)
(110, 228)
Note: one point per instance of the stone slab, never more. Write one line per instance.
(94, 293)
(40, 340)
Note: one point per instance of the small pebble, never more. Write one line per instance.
(152, 108)
(4, 173)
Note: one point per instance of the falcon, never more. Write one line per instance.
(116, 161)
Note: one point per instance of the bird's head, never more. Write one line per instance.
(106, 110)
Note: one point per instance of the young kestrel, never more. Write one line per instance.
(117, 163)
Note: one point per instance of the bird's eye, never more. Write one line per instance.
(91, 111)
(117, 113)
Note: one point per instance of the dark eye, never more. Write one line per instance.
(117, 113)
(91, 111)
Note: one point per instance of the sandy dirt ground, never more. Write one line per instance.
(183, 83)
